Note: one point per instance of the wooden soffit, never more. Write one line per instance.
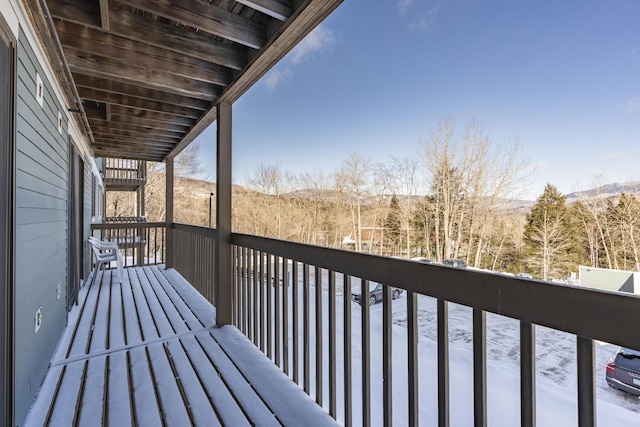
(149, 73)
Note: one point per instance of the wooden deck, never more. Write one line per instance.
(147, 352)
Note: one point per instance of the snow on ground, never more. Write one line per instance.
(555, 357)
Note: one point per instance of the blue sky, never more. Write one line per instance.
(561, 77)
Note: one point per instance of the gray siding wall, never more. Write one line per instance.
(42, 174)
(89, 193)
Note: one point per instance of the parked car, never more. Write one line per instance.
(524, 275)
(623, 371)
(460, 263)
(422, 260)
(375, 293)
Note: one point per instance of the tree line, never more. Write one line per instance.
(448, 201)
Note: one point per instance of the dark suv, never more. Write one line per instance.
(623, 371)
(375, 293)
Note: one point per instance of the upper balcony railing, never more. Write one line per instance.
(295, 302)
(124, 174)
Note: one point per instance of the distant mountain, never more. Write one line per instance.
(605, 191)
(614, 190)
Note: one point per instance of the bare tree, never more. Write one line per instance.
(354, 175)
(469, 179)
(404, 171)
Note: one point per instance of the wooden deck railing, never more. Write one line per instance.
(272, 317)
(141, 243)
(194, 251)
(286, 294)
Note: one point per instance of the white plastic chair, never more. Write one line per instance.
(105, 252)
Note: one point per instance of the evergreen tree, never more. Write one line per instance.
(550, 235)
(393, 224)
(422, 221)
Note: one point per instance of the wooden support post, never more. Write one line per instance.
(223, 271)
(169, 215)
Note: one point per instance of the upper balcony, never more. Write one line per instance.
(124, 174)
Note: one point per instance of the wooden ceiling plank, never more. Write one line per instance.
(131, 101)
(124, 144)
(131, 144)
(156, 79)
(280, 10)
(139, 92)
(109, 152)
(207, 17)
(133, 114)
(172, 131)
(76, 39)
(82, 12)
(119, 132)
(136, 132)
(154, 33)
(128, 146)
(132, 139)
(137, 116)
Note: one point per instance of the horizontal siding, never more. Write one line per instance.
(42, 171)
(28, 182)
(29, 232)
(30, 199)
(26, 163)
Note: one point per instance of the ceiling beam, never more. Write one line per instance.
(76, 38)
(129, 154)
(207, 17)
(139, 124)
(157, 79)
(140, 92)
(146, 140)
(132, 101)
(103, 127)
(135, 27)
(104, 14)
(281, 10)
(131, 145)
(134, 114)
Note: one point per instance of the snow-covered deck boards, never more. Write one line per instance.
(147, 352)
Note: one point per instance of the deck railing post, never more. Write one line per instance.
(169, 215)
(223, 271)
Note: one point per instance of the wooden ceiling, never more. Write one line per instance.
(149, 73)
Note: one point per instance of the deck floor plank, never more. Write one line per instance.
(227, 408)
(189, 317)
(118, 403)
(93, 397)
(255, 408)
(156, 358)
(116, 317)
(147, 410)
(100, 328)
(175, 320)
(131, 331)
(173, 405)
(64, 405)
(147, 322)
(78, 345)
